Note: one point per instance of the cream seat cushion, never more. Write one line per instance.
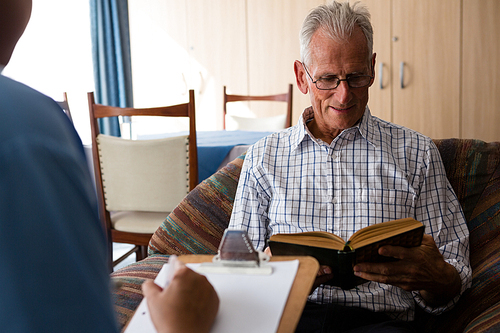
(140, 222)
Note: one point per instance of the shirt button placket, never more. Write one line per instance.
(335, 156)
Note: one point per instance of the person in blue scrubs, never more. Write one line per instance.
(53, 270)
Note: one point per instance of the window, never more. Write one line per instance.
(54, 55)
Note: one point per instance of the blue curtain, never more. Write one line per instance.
(111, 56)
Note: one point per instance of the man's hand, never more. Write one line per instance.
(420, 268)
(188, 304)
(324, 275)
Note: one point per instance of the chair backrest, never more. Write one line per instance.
(65, 106)
(128, 172)
(142, 175)
(260, 124)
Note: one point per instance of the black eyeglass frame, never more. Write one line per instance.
(339, 80)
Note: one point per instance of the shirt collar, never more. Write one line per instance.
(363, 127)
(302, 132)
(366, 125)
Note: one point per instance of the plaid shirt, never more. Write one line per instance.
(373, 172)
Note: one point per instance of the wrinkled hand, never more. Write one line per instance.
(420, 268)
(188, 304)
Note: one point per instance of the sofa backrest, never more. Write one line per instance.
(473, 168)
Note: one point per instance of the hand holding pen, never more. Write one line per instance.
(188, 303)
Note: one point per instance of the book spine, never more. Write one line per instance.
(346, 274)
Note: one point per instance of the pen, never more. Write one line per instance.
(172, 263)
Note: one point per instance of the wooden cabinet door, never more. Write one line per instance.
(218, 51)
(481, 70)
(417, 74)
(380, 100)
(273, 46)
(426, 66)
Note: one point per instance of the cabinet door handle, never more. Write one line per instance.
(381, 73)
(402, 74)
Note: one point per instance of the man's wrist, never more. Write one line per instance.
(445, 289)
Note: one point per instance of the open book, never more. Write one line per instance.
(341, 255)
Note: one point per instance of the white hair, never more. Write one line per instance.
(338, 21)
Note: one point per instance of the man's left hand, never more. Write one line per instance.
(419, 268)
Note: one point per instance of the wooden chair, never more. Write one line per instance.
(260, 124)
(65, 106)
(139, 182)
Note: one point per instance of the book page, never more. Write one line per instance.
(248, 303)
(311, 238)
(383, 230)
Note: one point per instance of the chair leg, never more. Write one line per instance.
(141, 253)
(135, 249)
(109, 246)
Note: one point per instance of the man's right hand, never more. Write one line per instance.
(324, 273)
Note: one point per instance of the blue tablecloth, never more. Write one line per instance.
(213, 146)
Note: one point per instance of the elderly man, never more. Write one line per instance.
(341, 169)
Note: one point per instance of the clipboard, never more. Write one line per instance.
(231, 272)
(301, 287)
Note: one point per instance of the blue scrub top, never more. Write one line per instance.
(53, 271)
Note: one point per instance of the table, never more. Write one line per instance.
(215, 146)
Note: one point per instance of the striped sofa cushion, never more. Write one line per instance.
(127, 295)
(473, 169)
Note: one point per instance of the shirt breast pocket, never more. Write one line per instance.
(385, 204)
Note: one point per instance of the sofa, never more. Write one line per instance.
(473, 167)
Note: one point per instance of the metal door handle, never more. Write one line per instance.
(381, 71)
(402, 74)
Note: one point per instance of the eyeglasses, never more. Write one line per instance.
(332, 82)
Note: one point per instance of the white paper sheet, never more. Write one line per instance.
(248, 303)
